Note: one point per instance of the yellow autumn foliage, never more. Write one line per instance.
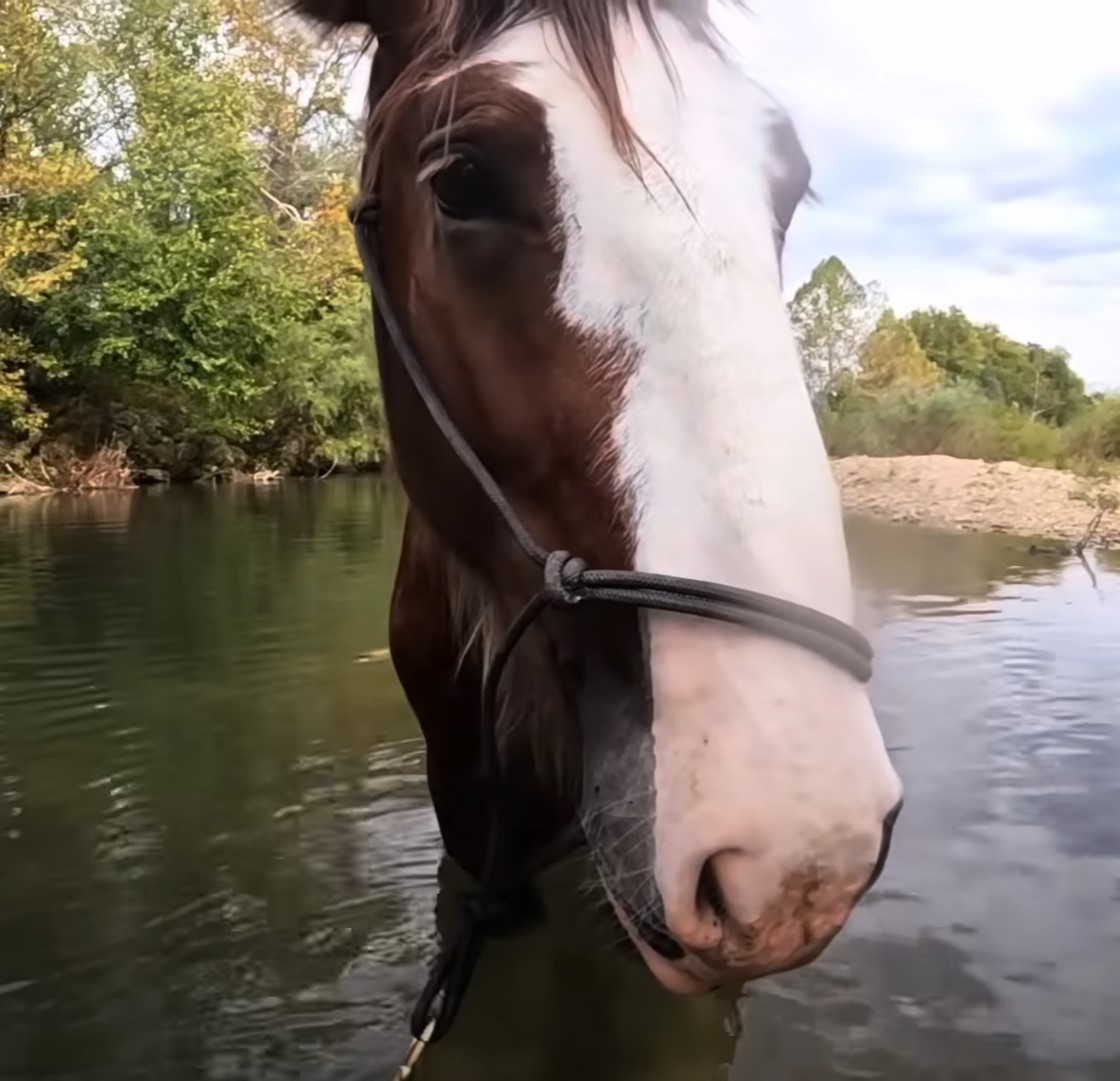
(892, 359)
(43, 199)
(326, 245)
(43, 192)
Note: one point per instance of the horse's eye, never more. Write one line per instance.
(464, 189)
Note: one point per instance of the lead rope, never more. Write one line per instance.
(490, 907)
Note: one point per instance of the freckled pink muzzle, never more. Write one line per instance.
(711, 945)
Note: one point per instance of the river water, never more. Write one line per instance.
(218, 861)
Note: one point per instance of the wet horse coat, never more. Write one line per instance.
(583, 205)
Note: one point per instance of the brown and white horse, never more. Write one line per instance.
(583, 204)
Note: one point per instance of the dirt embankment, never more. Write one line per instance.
(963, 493)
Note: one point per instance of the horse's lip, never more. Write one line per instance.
(687, 977)
(657, 937)
(683, 974)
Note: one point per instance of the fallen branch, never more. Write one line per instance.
(1089, 571)
(22, 485)
(61, 470)
(285, 208)
(1081, 545)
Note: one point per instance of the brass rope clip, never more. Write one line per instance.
(414, 1052)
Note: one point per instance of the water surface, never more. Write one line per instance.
(218, 861)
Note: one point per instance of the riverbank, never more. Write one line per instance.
(933, 489)
(59, 469)
(964, 493)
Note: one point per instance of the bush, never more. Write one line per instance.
(1095, 433)
(956, 419)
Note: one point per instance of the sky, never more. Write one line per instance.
(964, 152)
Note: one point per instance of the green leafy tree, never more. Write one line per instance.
(950, 340)
(891, 359)
(43, 73)
(832, 315)
(47, 188)
(176, 269)
(179, 290)
(1037, 380)
(1059, 392)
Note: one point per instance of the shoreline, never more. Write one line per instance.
(965, 494)
(14, 486)
(972, 495)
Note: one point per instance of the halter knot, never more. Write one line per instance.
(563, 575)
(494, 913)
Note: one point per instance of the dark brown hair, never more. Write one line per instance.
(440, 33)
(463, 27)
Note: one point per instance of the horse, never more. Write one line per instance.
(583, 347)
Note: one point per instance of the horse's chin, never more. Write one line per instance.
(689, 976)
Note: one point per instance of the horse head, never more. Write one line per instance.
(582, 210)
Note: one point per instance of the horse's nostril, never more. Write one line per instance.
(891, 818)
(709, 896)
(884, 844)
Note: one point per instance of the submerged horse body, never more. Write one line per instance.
(583, 204)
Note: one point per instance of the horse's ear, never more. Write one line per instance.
(790, 173)
(389, 21)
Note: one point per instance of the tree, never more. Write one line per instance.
(832, 315)
(1039, 381)
(1058, 394)
(43, 72)
(178, 291)
(892, 359)
(298, 90)
(47, 186)
(176, 267)
(950, 340)
(50, 197)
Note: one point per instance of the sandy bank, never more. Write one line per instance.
(963, 493)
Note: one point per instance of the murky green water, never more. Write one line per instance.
(217, 859)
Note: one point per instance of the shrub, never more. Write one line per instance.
(956, 419)
(1095, 433)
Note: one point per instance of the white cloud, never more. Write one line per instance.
(966, 152)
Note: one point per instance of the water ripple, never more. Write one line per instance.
(220, 859)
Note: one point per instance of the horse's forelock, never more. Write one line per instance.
(445, 34)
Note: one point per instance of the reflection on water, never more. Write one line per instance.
(217, 858)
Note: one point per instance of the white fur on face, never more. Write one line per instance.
(760, 747)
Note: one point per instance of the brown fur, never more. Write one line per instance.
(532, 719)
(434, 600)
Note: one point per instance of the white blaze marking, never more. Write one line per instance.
(760, 746)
